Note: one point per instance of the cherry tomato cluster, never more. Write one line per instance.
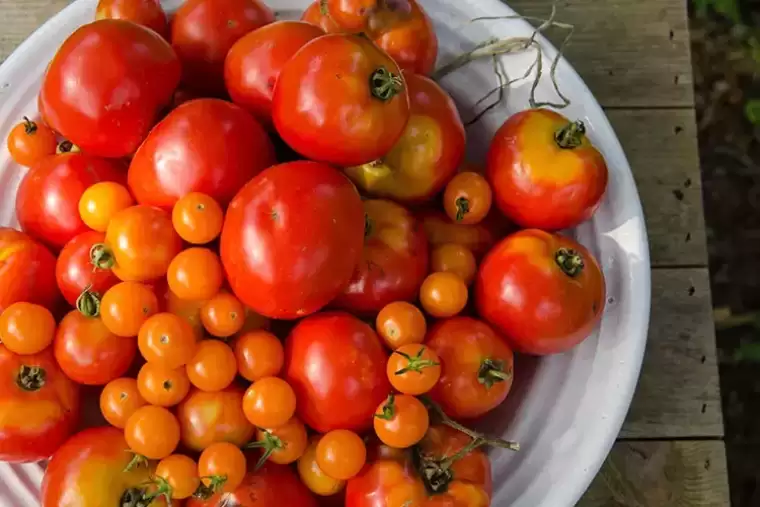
(260, 243)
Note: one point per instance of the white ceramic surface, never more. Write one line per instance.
(565, 410)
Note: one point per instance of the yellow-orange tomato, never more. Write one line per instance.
(222, 466)
(152, 432)
(213, 366)
(401, 323)
(313, 477)
(195, 274)
(197, 218)
(413, 369)
(120, 399)
(30, 142)
(401, 421)
(223, 315)
(167, 339)
(259, 354)
(454, 258)
(181, 474)
(269, 402)
(100, 202)
(126, 306)
(283, 445)
(26, 328)
(341, 454)
(162, 386)
(190, 311)
(467, 198)
(443, 295)
(208, 417)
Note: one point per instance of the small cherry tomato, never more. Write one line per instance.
(341, 454)
(313, 477)
(101, 201)
(180, 473)
(282, 445)
(401, 421)
(414, 369)
(259, 354)
(478, 238)
(401, 323)
(152, 432)
(189, 311)
(213, 366)
(162, 386)
(222, 467)
(453, 258)
(75, 273)
(30, 141)
(269, 402)
(126, 306)
(143, 12)
(195, 274)
(26, 328)
(443, 294)
(208, 417)
(119, 399)
(467, 198)
(223, 315)
(197, 218)
(167, 339)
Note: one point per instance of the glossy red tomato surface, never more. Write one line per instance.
(27, 271)
(202, 33)
(544, 171)
(39, 406)
(336, 366)
(143, 12)
(47, 201)
(205, 145)
(340, 100)
(124, 74)
(544, 292)
(394, 261)
(292, 239)
(75, 272)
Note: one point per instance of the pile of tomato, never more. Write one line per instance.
(254, 269)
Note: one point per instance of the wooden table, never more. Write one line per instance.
(634, 55)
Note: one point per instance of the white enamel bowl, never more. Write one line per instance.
(565, 410)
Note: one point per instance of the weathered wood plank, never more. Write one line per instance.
(660, 474)
(678, 393)
(629, 52)
(21, 17)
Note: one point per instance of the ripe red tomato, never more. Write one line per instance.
(336, 366)
(143, 12)
(27, 271)
(254, 63)
(394, 260)
(208, 417)
(29, 142)
(47, 202)
(74, 270)
(203, 31)
(89, 353)
(39, 406)
(544, 171)
(205, 145)
(97, 452)
(125, 75)
(340, 100)
(426, 155)
(292, 239)
(545, 292)
(476, 367)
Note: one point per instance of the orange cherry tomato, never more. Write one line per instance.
(341, 454)
(195, 274)
(162, 386)
(197, 218)
(120, 399)
(454, 258)
(26, 328)
(313, 477)
(222, 467)
(467, 198)
(401, 323)
(180, 474)
(413, 369)
(213, 366)
(167, 339)
(189, 311)
(152, 432)
(282, 445)
(443, 295)
(401, 421)
(259, 354)
(269, 402)
(223, 315)
(100, 202)
(30, 142)
(126, 306)
(208, 417)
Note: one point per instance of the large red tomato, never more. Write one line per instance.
(39, 406)
(205, 145)
(544, 171)
(89, 471)
(341, 100)
(336, 365)
(254, 63)
(203, 31)
(74, 270)
(292, 239)
(544, 291)
(47, 202)
(209, 417)
(125, 74)
(27, 271)
(143, 12)
(394, 261)
(428, 153)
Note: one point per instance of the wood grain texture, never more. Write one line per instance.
(661, 474)
(629, 52)
(21, 17)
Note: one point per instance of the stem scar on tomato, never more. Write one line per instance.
(88, 303)
(569, 261)
(384, 84)
(101, 257)
(415, 363)
(463, 207)
(388, 411)
(66, 146)
(31, 378)
(135, 497)
(571, 135)
(492, 371)
(29, 126)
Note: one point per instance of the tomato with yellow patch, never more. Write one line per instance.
(208, 417)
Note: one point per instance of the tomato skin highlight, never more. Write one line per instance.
(292, 238)
(147, 13)
(125, 75)
(539, 306)
(74, 271)
(35, 423)
(336, 366)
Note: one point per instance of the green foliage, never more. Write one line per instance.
(727, 8)
(752, 111)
